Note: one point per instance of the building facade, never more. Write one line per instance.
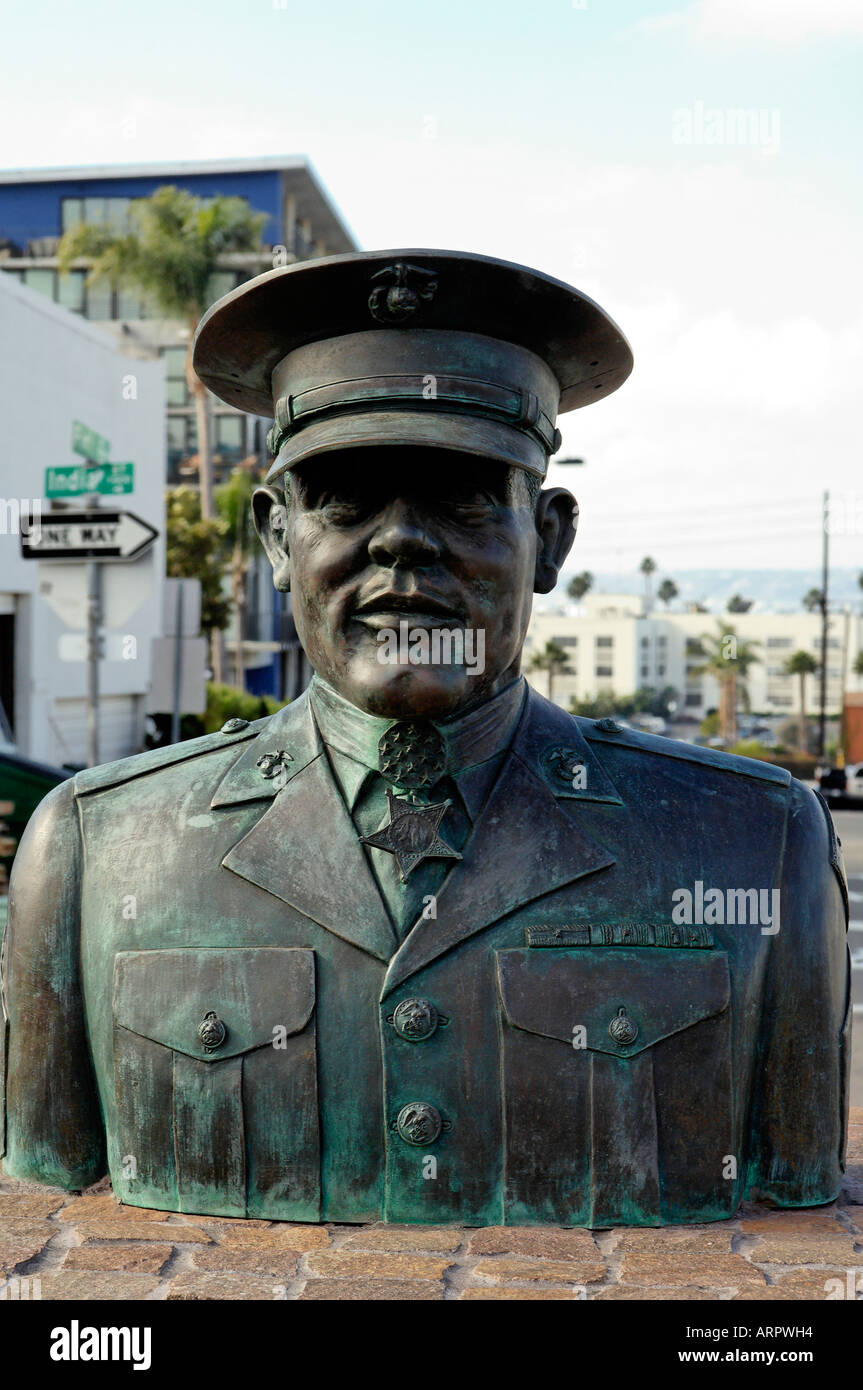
(55, 370)
(38, 206)
(613, 645)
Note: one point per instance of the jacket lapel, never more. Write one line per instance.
(304, 849)
(524, 844)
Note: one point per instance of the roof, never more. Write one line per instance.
(159, 168)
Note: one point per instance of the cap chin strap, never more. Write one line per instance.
(449, 394)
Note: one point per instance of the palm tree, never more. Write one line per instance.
(801, 664)
(647, 568)
(812, 600)
(728, 658)
(858, 664)
(667, 592)
(234, 503)
(580, 585)
(738, 604)
(173, 248)
(554, 659)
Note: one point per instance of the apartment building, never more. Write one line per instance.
(614, 645)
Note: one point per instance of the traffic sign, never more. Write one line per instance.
(109, 479)
(89, 444)
(95, 535)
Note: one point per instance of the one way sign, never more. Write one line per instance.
(95, 535)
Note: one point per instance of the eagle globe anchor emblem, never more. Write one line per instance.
(401, 290)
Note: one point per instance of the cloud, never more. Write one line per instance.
(773, 21)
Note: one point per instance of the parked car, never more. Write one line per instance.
(832, 782)
(854, 780)
(23, 784)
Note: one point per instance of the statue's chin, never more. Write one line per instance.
(412, 692)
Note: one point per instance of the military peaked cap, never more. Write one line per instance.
(419, 348)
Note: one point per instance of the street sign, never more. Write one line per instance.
(96, 535)
(89, 444)
(109, 479)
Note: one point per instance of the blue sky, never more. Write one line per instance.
(556, 135)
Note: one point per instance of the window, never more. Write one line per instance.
(693, 697)
(116, 213)
(176, 392)
(662, 641)
(70, 291)
(645, 671)
(99, 304)
(230, 435)
(605, 641)
(645, 641)
(693, 646)
(780, 642)
(566, 641)
(175, 361)
(129, 305)
(71, 211)
(182, 440)
(42, 281)
(660, 670)
(783, 701)
(604, 671)
(98, 212)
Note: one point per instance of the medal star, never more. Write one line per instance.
(412, 834)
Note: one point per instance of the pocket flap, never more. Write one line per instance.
(642, 995)
(253, 992)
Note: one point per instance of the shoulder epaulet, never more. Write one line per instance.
(95, 779)
(609, 731)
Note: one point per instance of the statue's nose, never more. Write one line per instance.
(403, 537)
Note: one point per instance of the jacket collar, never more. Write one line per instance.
(304, 848)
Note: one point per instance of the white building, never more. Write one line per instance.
(55, 369)
(613, 646)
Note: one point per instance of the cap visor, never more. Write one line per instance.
(428, 430)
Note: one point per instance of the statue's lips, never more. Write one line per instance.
(416, 609)
(391, 618)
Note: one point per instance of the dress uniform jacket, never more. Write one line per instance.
(203, 989)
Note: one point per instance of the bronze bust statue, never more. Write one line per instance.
(423, 946)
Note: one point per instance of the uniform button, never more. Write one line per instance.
(622, 1028)
(419, 1123)
(415, 1019)
(212, 1031)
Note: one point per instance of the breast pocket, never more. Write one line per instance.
(617, 1086)
(216, 1081)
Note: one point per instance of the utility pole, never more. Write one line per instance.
(825, 536)
(178, 664)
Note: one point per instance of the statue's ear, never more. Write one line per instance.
(270, 515)
(556, 522)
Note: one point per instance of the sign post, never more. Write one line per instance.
(94, 652)
(94, 535)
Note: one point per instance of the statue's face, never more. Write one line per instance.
(393, 554)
